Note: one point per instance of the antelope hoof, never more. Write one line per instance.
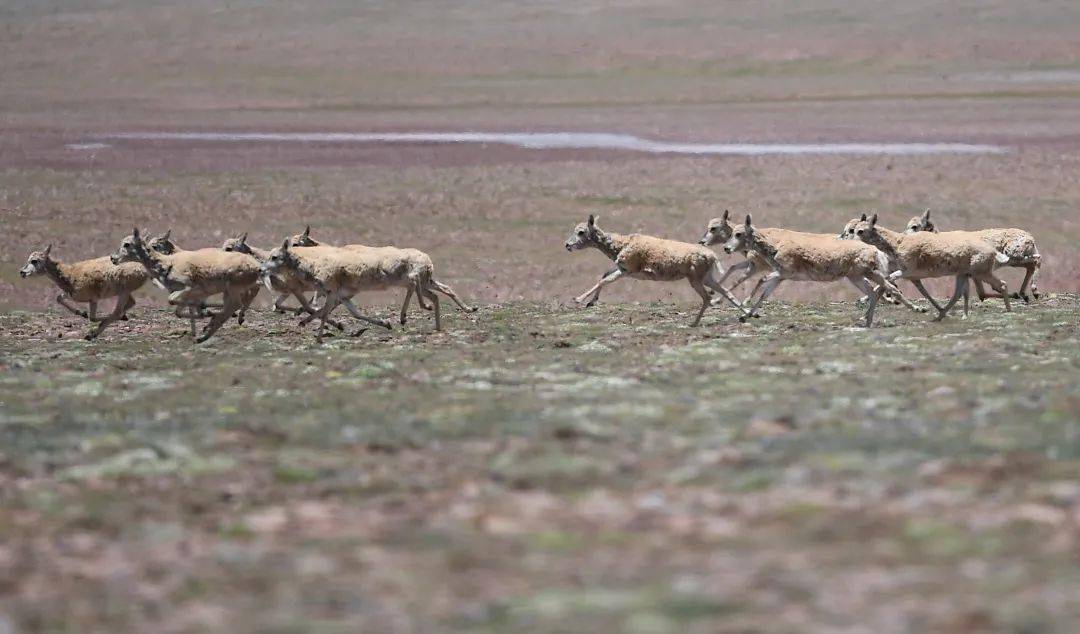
(472, 309)
(90, 336)
(359, 332)
(386, 324)
(124, 318)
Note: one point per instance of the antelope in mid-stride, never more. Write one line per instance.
(719, 231)
(1017, 244)
(284, 283)
(922, 255)
(648, 258)
(411, 269)
(89, 281)
(192, 276)
(818, 259)
(337, 273)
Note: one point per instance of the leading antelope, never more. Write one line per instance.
(89, 281)
(648, 258)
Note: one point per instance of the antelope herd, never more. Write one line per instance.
(322, 277)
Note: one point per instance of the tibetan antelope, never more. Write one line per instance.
(719, 231)
(1017, 244)
(918, 256)
(815, 258)
(648, 258)
(337, 273)
(411, 269)
(284, 283)
(192, 276)
(89, 281)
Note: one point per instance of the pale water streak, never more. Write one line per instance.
(87, 146)
(570, 140)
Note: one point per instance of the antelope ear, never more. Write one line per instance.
(592, 220)
(167, 233)
(873, 220)
(725, 216)
(749, 220)
(285, 245)
(307, 231)
(243, 237)
(863, 218)
(48, 249)
(135, 232)
(926, 214)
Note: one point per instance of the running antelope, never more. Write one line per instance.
(192, 276)
(337, 273)
(411, 269)
(164, 245)
(719, 231)
(284, 283)
(815, 258)
(648, 258)
(89, 281)
(918, 256)
(1017, 244)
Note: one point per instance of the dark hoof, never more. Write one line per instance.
(359, 332)
(742, 319)
(124, 318)
(90, 337)
(473, 309)
(83, 314)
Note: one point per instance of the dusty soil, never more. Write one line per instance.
(545, 468)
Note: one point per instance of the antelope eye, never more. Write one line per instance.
(581, 233)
